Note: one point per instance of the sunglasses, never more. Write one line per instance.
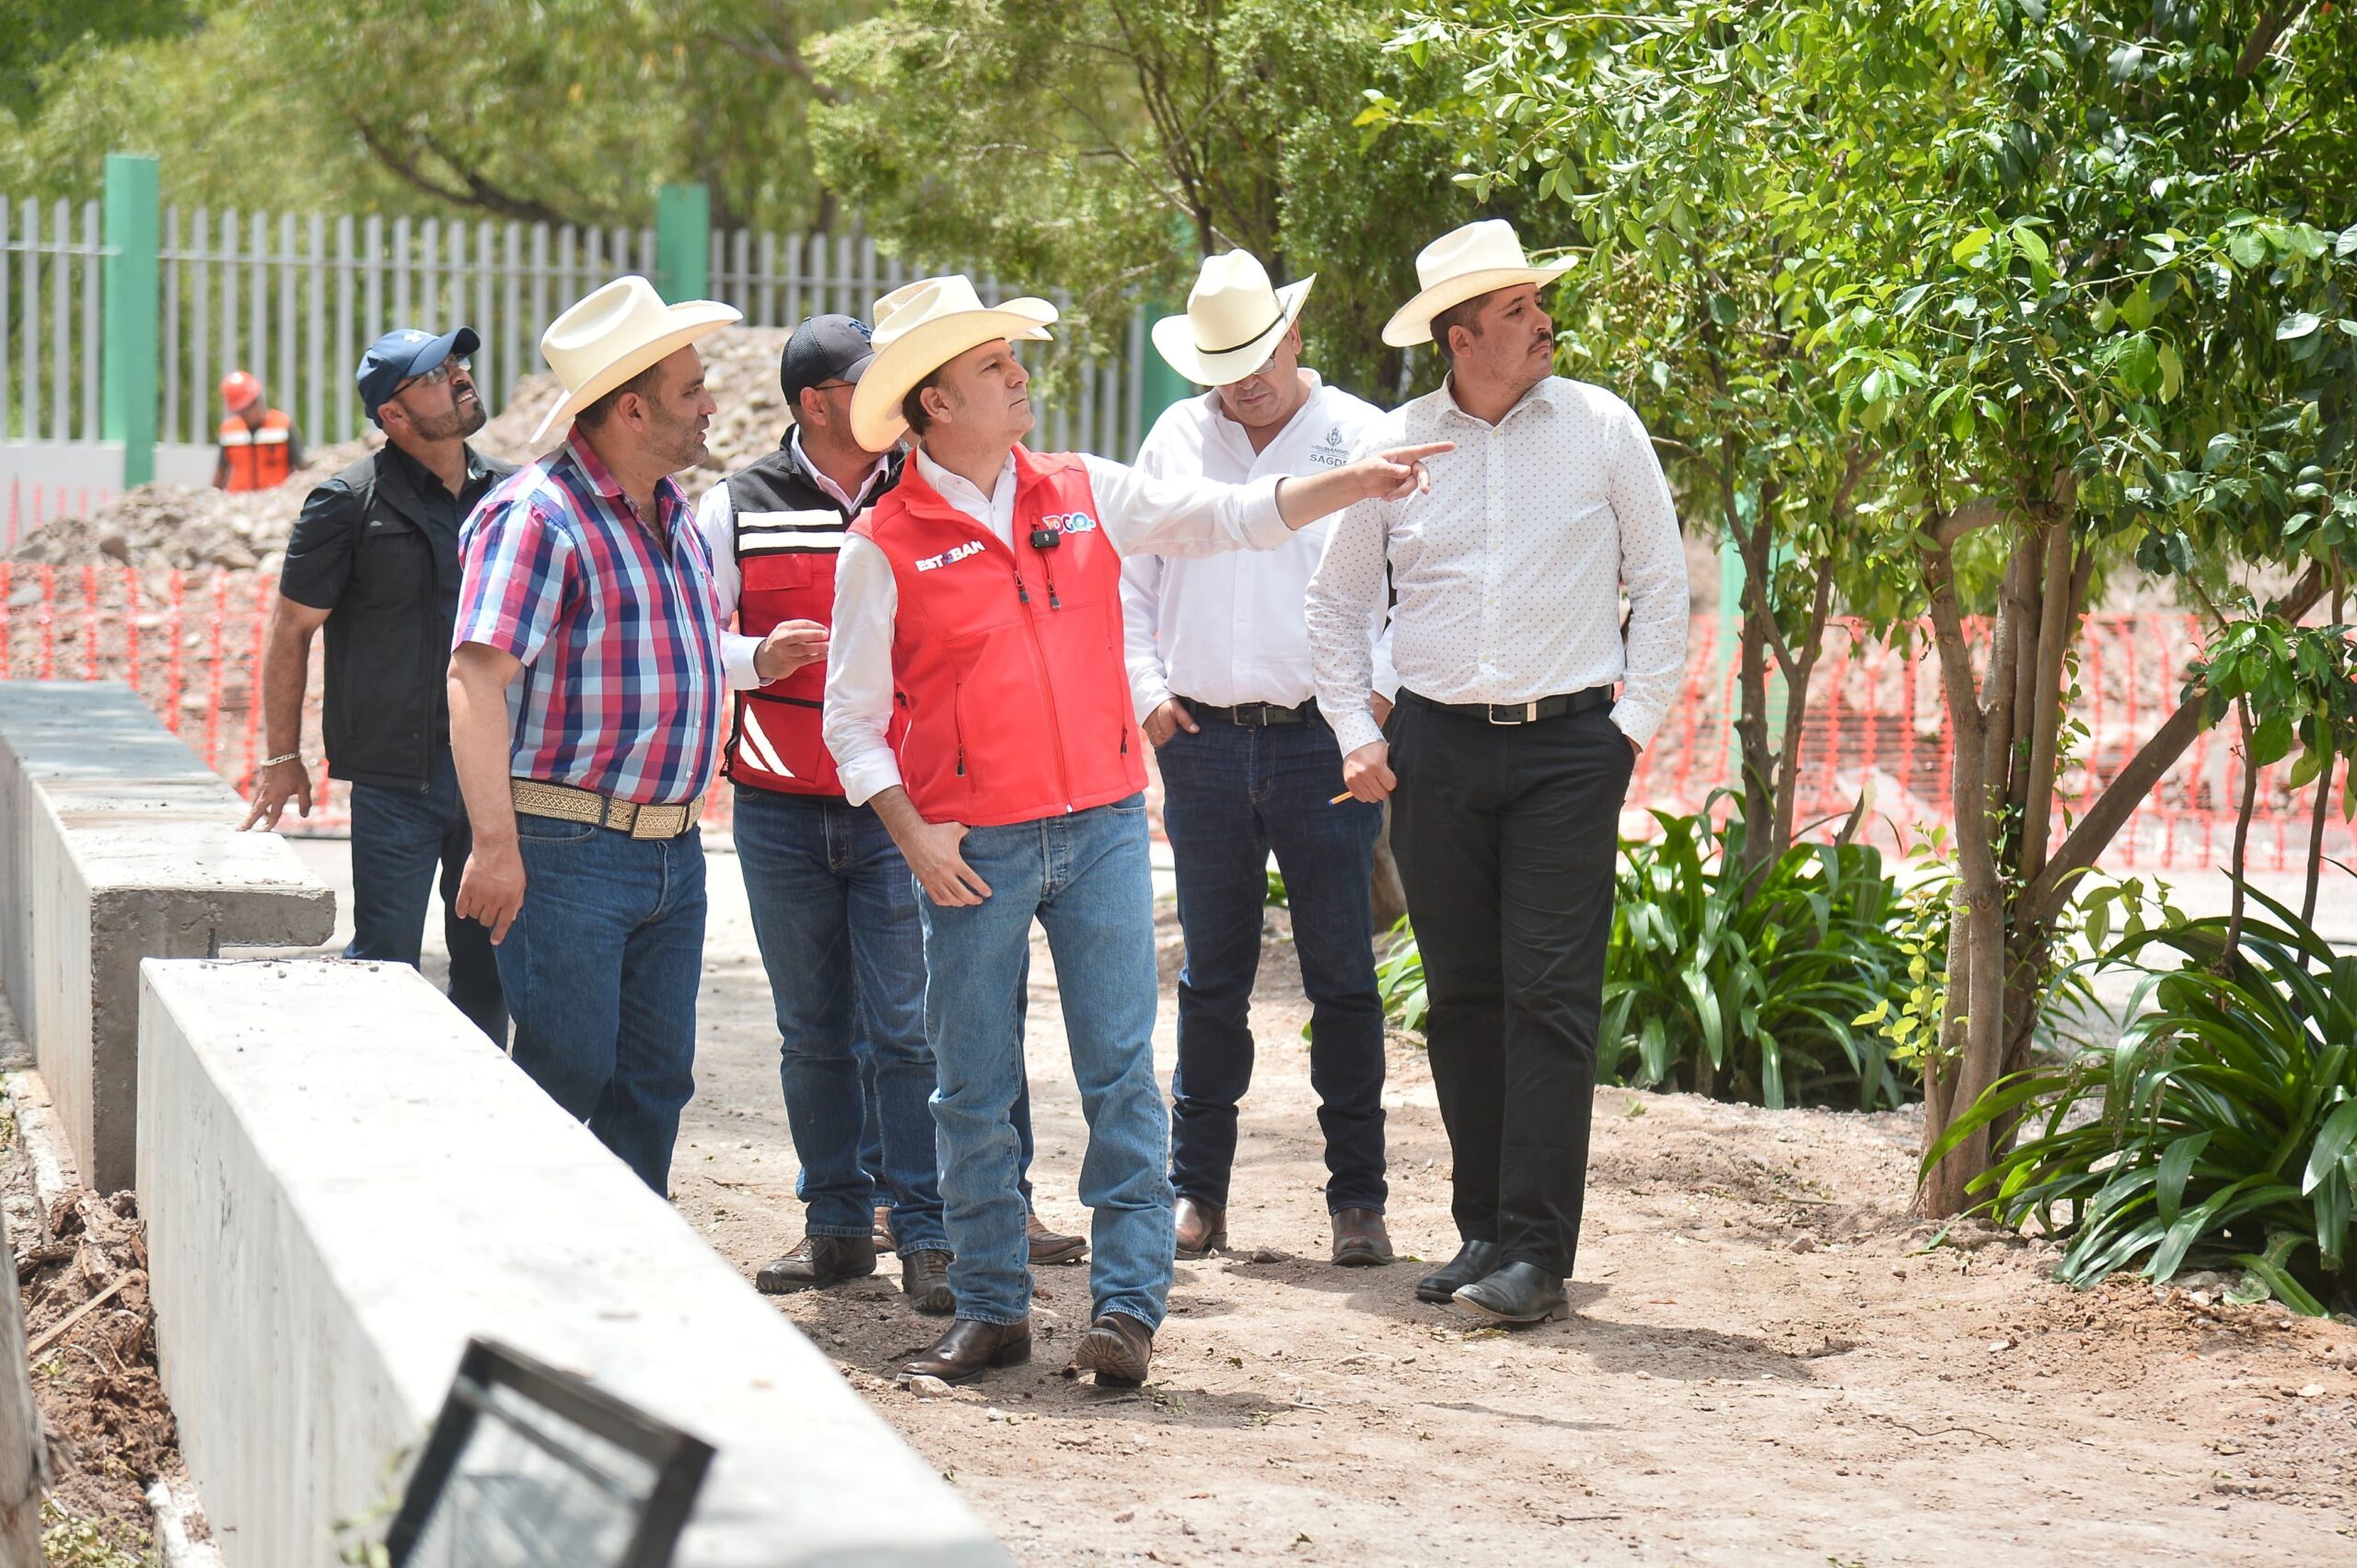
(456, 364)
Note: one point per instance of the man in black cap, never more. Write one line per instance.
(374, 558)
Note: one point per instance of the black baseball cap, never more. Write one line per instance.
(405, 351)
(823, 349)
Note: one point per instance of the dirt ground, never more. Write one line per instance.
(1765, 1363)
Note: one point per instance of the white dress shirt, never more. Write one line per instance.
(1135, 512)
(717, 520)
(1509, 571)
(1232, 628)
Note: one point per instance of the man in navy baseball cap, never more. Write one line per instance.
(374, 560)
(407, 355)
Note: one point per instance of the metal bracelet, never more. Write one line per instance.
(282, 757)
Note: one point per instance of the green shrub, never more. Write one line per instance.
(1745, 986)
(1399, 979)
(1739, 987)
(2220, 1130)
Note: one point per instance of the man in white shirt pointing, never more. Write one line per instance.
(1509, 751)
(1219, 666)
(976, 697)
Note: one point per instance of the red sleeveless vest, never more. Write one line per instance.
(1007, 665)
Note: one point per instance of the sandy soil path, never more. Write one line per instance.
(1765, 1364)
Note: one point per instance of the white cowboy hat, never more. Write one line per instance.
(1464, 262)
(609, 336)
(921, 327)
(1234, 320)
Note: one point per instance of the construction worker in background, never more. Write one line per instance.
(260, 446)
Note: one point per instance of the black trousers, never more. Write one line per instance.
(1505, 837)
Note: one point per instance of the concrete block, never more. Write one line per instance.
(117, 845)
(341, 1182)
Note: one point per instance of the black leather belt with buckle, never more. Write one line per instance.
(1553, 707)
(1252, 716)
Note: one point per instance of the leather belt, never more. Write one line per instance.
(534, 797)
(1254, 716)
(1553, 707)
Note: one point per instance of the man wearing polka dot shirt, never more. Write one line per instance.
(1508, 756)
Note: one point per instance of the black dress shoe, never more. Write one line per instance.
(972, 1347)
(1519, 1292)
(925, 1276)
(818, 1260)
(1473, 1259)
(1118, 1348)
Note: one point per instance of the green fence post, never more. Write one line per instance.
(133, 298)
(682, 242)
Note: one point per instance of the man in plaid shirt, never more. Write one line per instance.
(586, 691)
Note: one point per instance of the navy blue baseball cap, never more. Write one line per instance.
(405, 351)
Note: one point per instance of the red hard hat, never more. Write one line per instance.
(240, 389)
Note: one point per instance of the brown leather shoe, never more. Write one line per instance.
(1118, 1348)
(1360, 1240)
(1202, 1228)
(883, 1230)
(925, 1276)
(818, 1260)
(971, 1347)
(1047, 1247)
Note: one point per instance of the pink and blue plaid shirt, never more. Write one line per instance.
(622, 679)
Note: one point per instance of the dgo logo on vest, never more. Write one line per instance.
(1068, 522)
(950, 557)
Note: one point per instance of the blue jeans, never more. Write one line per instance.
(1086, 878)
(400, 838)
(835, 913)
(1230, 796)
(601, 970)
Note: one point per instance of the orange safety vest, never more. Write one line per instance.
(259, 460)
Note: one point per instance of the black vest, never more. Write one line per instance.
(386, 713)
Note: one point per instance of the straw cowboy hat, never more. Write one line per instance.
(1461, 264)
(921, 327)
(1234, 320)
(611, 335)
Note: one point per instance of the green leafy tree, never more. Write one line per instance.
(1682, 150)
(42, 38)
(565, 110)
(2076, 289)
(1105, 146)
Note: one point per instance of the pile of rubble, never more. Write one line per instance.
(191, 530)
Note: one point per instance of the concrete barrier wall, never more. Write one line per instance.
(341, 1182)
(117, 845)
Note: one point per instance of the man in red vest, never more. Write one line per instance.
(977, 699)
(260, 446)
(834, 910)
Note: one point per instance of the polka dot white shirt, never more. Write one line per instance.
(1509, 571)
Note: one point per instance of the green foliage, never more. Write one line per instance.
(68, 1541)
(1743, 985)
(2301, 683)
(1908, 1015)
(1276, 897)
(570, 110)
(1399, 979)
(2220, 1131)
(42, 36)
(1103, 146)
